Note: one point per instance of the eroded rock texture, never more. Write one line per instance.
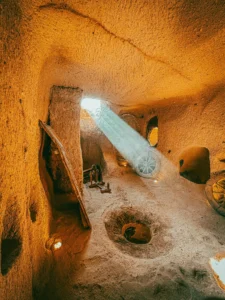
(147, 58)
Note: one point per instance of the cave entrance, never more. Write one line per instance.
(152, 131)
(195, 164)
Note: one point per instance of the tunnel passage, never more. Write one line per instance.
(195, 165)
(152, 131)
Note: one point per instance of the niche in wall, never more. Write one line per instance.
(152, 131)
(195, 165)
(33, 209)
(11, 241)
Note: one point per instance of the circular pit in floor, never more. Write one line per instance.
(136, 233)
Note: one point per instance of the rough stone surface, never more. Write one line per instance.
(178, 266)
(64, 118)
(167, 55)
(195, 165)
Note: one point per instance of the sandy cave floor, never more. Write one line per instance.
(187, 232)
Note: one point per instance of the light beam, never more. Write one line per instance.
(134, 148)
(90, 104)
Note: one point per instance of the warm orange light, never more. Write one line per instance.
(57, 245)
(153, 137)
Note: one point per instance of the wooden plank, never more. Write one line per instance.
(51, 133)
(64, 119)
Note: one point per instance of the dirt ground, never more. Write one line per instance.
(185, 230)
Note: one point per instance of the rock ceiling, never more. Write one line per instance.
(131, 52)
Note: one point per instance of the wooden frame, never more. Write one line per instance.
(68, 167)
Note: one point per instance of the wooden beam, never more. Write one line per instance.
(51, 133)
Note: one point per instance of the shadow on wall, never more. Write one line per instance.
(11, 242)
(195, 165)
(91, 153)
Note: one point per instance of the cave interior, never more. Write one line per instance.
(112, 165)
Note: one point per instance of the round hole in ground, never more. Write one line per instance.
(136, 233)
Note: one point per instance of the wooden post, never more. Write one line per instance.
(64, 119)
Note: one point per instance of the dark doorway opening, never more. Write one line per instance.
(195, 165)
(152, 131)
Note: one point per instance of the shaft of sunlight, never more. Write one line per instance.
(132, 146)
